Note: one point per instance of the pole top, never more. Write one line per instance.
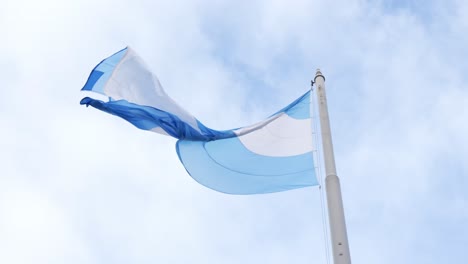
(319, 74)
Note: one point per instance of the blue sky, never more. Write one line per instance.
(80, 186)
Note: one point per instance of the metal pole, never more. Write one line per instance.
(339, 237)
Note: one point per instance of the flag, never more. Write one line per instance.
(270, 156)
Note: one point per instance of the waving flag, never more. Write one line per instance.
(270, 156)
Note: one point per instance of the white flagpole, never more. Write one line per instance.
(339, 237)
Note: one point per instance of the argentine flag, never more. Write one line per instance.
(270, 156)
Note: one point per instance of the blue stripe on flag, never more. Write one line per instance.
(233, 155)
(147, 118)
(93, 78)
(205, 170)
(299, 109)
(101, 73)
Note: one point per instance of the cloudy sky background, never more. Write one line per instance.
(80, 186)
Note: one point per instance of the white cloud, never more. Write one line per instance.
(79, 184)
(34, 229)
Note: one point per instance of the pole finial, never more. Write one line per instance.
(319, 74)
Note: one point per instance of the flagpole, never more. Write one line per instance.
(339, 237)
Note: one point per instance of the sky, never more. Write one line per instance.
(80, 186)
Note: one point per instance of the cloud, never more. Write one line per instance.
(77, 184)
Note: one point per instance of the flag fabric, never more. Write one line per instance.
(270, 156)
